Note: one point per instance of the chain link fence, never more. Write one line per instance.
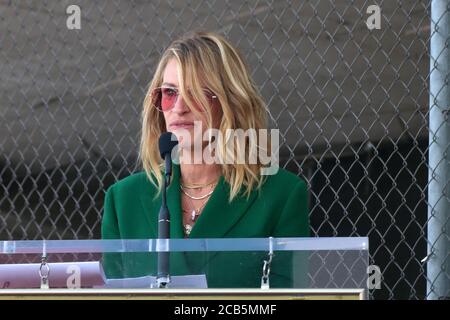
(350, 97)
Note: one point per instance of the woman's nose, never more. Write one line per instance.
(180, 106)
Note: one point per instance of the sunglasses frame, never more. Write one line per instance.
(157, 100)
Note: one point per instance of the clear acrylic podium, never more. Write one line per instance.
(250, 268)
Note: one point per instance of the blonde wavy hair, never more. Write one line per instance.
(207, 58)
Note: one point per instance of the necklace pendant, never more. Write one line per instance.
(193, 214)
(187, 229)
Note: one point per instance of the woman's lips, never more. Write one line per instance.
(184, 125)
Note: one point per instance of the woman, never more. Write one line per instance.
(201, 83)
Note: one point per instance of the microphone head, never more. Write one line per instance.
(167, 141)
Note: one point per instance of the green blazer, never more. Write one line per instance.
(277, 209)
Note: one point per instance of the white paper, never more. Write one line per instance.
(177, 282)
(61, 275)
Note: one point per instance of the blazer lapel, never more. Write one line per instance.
(217, 218)
(219, 215)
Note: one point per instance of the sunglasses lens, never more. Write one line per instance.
(168, 98)
(165, 98)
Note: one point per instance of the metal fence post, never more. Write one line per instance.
(438, 265)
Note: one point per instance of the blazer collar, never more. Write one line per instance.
(218, 216)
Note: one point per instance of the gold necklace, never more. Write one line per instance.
(193, 214)
(194, 197)
(197, 185)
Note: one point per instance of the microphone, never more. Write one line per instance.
(167, 141)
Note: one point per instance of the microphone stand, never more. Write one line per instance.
(163, 277)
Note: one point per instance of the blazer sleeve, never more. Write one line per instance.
(290, 269)
(294, 219)
(110, 226)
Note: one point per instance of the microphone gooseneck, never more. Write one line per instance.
(167, 141)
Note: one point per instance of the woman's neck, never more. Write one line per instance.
(199, 173)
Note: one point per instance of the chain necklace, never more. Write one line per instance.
(196, 198)
(197, 185)
(194, 213)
